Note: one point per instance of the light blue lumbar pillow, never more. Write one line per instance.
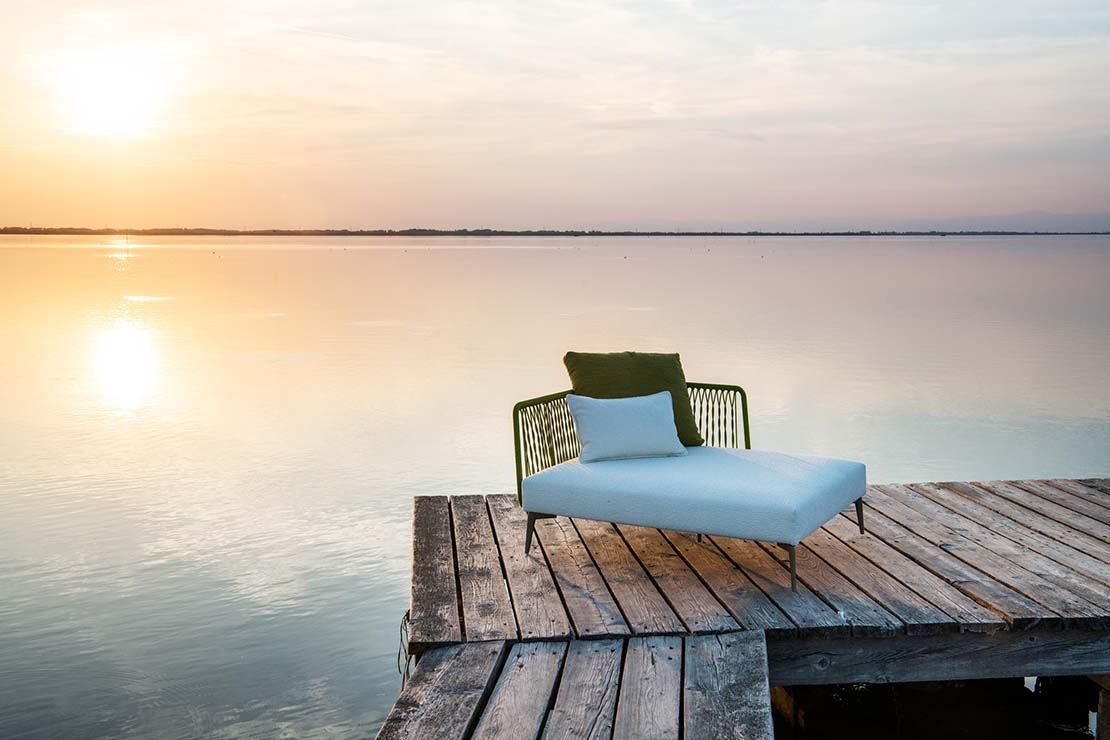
(623, 428)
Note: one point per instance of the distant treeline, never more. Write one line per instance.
(74, 231)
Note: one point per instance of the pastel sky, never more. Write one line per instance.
(561, 114)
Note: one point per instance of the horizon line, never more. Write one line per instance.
(483, 232)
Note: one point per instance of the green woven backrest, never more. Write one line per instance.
(544, 434)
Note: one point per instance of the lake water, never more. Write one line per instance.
(210, 444)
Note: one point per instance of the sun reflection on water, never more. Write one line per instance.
(126, 364)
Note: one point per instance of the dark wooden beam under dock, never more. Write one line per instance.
(613, 630)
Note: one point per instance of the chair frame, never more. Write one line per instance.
(544, 436)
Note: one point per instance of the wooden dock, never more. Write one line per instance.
(622, 631)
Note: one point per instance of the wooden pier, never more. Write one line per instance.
(622, 631)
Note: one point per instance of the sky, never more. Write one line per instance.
(560, 114)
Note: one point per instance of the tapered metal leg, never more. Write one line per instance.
(859, 513)
(699, 538)
(529, 529)
(793, 567)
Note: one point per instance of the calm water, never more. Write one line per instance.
(210, 445)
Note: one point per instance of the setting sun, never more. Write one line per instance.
(111, 92)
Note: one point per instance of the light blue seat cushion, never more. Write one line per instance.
(750, 494)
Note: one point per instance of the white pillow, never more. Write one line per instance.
(621, 428)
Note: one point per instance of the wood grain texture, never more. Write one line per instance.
(749, 606)
(592, 608)
(1062, 553)
(918, 615)
(1032, 519)
(1088, 493)
(487, 610)
(434, 601)
(1061, 603)
(540, 613)
(968, 613)
(726, 692)
(644, 608)
(651, 687)
(803, 607)
(859, 610)
(587, 699)
(1074, 519)
(1018, 610)
(1051, 571)
(959, 657)
(518, 705)
(1065, 499)
(1099, 484)
(698, 609)
(442, 697)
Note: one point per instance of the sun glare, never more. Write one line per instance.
(126, 364)
(111, 92)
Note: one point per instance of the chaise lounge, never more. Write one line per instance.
(723, 488)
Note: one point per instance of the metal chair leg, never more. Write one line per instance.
(793, 567)
(699, 538)
(530, 527)
(859, 514)
(793, 551)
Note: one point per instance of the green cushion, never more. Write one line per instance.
(624, 374)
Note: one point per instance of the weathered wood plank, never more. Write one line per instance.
(919, 616)
(768, 573)
(958, 657)
(1032, 519)
(651, 687)
(540, 613)
(644, 608)
(1099, 484)
(434, 599)
(1088, 493)
(592, 608)
(853, 605)
(1061, 603)
(588, 691)
(1065, 499)
(518, 705)
(1075, 520)
(726, 692)
(688, 596)
(1077, 560)
(968, 613)
(442, 697)
(749, 606)
(487, 610)
(1012, 606)
(1045, 567)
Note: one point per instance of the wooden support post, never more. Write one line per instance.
(1102, 726)
(1102, 723)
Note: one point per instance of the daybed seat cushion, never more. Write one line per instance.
(750, 494)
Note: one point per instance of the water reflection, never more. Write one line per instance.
(126, 364)
(232, 561)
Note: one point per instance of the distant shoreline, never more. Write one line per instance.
(76, 231)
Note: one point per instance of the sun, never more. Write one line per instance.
(115, 91)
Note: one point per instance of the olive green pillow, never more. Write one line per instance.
(625, 374)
